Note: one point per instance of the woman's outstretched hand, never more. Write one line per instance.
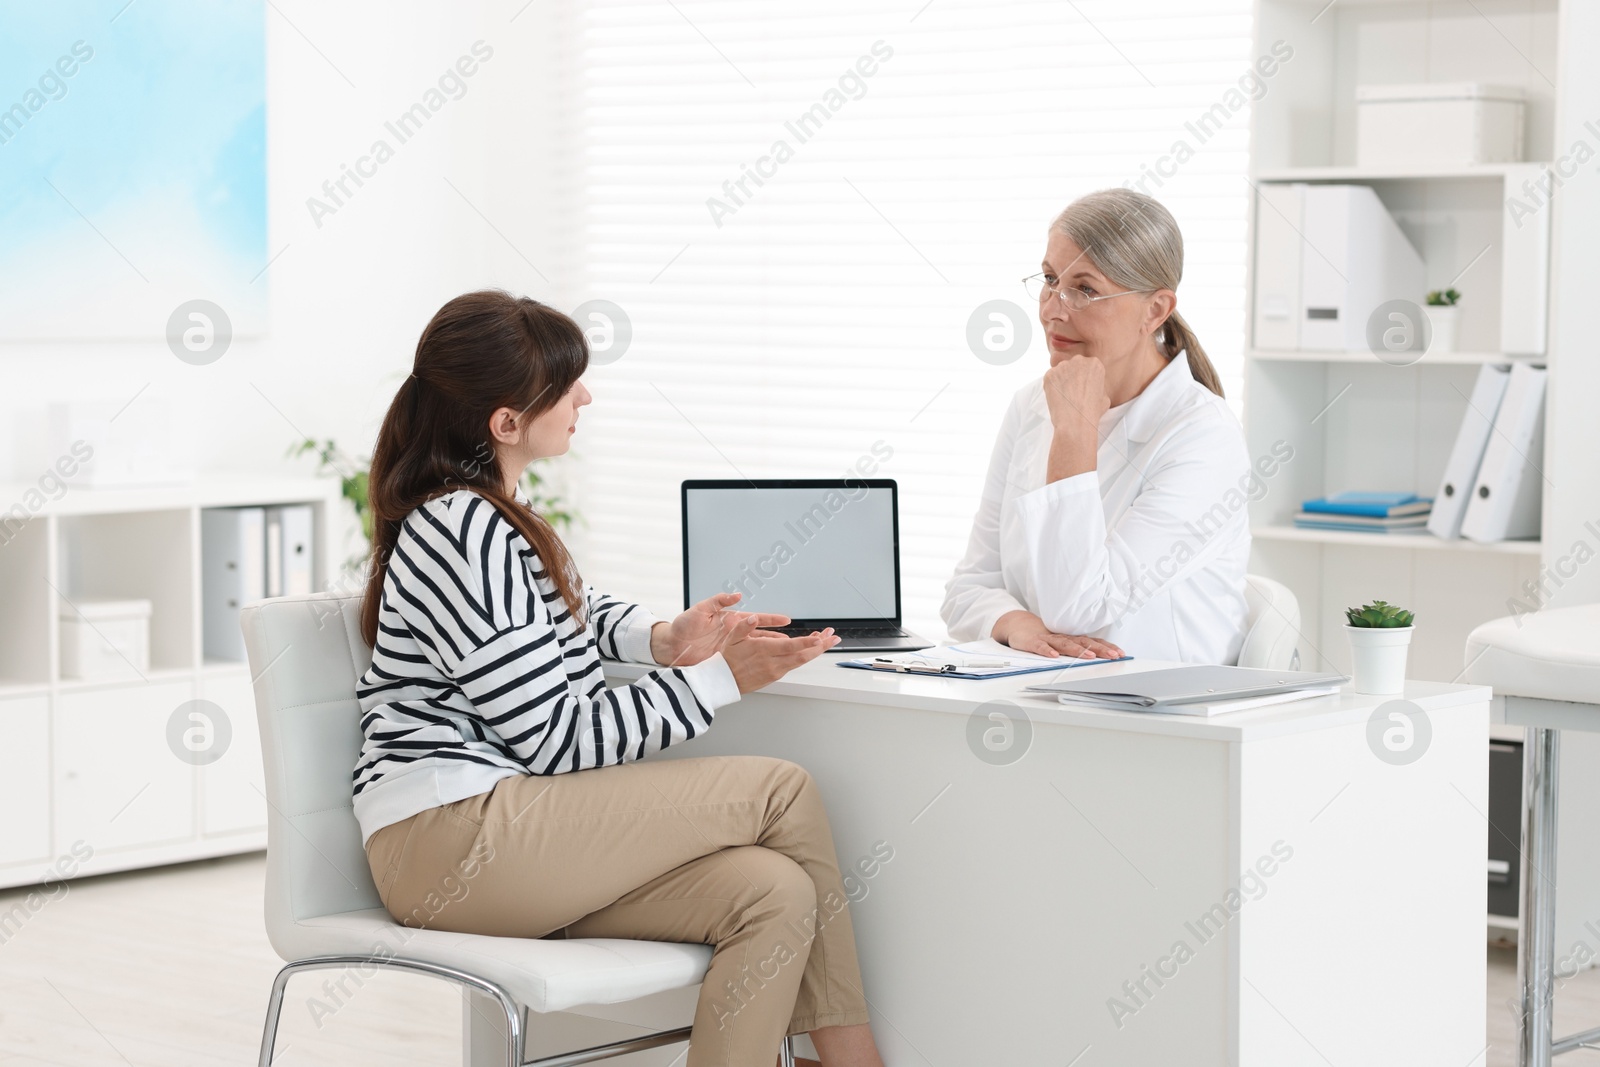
(760, 657)
(1026, 632)
(699, 633)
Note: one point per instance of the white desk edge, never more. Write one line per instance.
(824, 679)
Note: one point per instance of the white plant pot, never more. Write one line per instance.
(1378, 658)
(1442, 322)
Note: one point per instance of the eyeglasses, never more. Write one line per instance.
(1075, 299)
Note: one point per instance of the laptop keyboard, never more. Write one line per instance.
(844, 631)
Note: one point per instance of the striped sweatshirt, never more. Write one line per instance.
(480, 672)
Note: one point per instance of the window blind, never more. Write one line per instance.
(798, 208)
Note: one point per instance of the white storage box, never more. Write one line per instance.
(105, 638)
(1449, 124)
(129, 444)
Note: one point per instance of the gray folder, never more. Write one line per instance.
(1143, 690)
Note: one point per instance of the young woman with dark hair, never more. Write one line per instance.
(492, 744)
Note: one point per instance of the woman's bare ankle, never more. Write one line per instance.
(846, 1046)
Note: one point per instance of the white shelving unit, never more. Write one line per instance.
(88, 766)
(1435, 359)
(1395, 542)
(1352, 173)
(1353, 420)
(1356, 422)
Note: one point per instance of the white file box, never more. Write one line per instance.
(104, 638)
(1445, 124)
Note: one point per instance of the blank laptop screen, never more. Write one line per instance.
(808, 553)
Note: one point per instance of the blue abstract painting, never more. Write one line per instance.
(132, 165)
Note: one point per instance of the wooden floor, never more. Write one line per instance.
(1577, 1008)
(170, 968)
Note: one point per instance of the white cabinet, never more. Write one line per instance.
(90, 764)
(233, 793)
(118, 783)
(25, 779)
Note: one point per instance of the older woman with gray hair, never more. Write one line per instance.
(1113, 514)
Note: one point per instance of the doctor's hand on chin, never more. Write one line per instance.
(1026, 632)
(1075, 391)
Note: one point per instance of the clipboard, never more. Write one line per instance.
(947, 661)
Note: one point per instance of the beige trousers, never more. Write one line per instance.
(729, 851)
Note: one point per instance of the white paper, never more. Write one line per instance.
(988, 648)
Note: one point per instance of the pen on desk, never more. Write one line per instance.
(889, 661)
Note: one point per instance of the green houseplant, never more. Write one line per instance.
(1443, 319)
(1380, 633)
(1379, 615)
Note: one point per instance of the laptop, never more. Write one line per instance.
(823, 551)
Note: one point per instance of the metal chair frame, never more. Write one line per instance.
(515, 1038)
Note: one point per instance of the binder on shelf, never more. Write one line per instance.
(1510, 485)
(1279, 215)
(273, 557)
(1327, 256)
(233, 572)
(289, 566)
(1524, 268)
(1461, 472)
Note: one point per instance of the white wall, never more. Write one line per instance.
(495, 190)
(348, 298)
(828, 313)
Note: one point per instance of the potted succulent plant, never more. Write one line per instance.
(1443, 318)
(1379, 634)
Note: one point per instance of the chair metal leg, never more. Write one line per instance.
(269, 1031)
(786, 1052)
(1541, 758)
(484, 1035)
(513, 1012)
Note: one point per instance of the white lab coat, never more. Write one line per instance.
(1148, 551)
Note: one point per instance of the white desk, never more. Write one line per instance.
(1024, 897)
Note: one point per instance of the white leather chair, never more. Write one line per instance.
(1274, 626)
(322, 908)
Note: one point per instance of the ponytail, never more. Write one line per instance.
(1176, 337)
(399, 425)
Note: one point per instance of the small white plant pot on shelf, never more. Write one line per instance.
(1442, 323)
(1378, 658)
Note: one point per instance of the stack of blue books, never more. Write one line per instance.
(1367, 512)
